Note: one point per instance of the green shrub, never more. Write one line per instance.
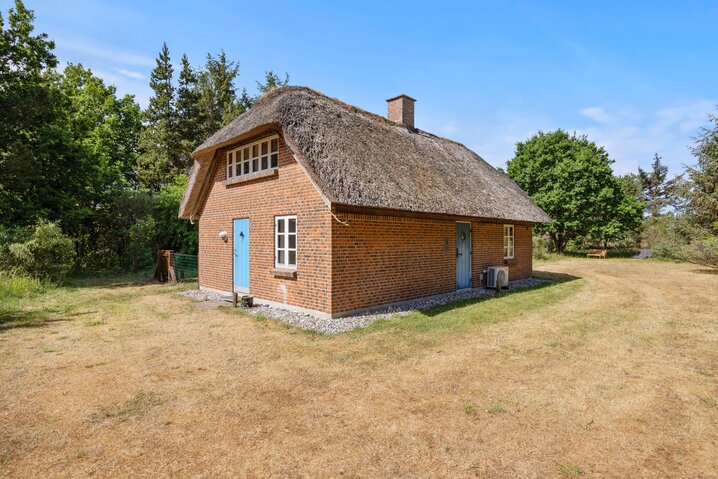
(703, 251)
(540, 247)
(665, 250)
(48, 253)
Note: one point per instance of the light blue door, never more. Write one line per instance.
(241, 255)
(463, 255)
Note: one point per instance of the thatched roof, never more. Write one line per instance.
(360, 159)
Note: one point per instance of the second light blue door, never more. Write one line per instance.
(241, 255)
(463, 255)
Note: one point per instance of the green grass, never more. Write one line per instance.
(569, 470)
(17, 292)
(467, 314)
(496, 409)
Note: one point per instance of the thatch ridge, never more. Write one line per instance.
(359, 158)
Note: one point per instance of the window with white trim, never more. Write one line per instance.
(508, 241)
(254, 157)
(285, 242)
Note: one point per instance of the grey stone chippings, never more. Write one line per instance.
(347, 323)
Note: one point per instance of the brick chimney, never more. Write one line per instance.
(401, 109)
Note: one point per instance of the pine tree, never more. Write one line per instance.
(703, 192)
(191, 118)
(219, 98)
(160, 151)
(271, 81)
(656, 192)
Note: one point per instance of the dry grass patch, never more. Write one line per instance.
(613, 374)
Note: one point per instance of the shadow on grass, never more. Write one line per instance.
(551, 279)
(489, 309)
(35, 318)
(486, 309)
(109, 282)
(705, 271)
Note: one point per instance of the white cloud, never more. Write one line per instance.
(632, 136)
(597, 113)
(72, 45)
(125, 69)
(130, 73)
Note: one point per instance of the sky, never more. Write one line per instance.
(637, 77)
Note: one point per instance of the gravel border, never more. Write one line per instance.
(347, 323)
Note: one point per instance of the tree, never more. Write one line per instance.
(271, 81)
(656, 191)
(171, 232)
(219, 98)
(571, 179)
(703, 187)
(159, 145)
(100, 145)
(620, 213)
(28, 106)
(191, 118)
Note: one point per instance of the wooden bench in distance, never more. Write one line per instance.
(597, 253)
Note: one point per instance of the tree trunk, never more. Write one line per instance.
(559, 241)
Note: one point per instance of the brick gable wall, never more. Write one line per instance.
(289, 192)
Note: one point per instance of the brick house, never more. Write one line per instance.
(315, 205)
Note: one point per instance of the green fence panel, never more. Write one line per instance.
(185, 266)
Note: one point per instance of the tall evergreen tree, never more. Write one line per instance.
(219, 98)
(656, 191)
(160, 151)
(271, 81)
(191, 118)
(703, 192)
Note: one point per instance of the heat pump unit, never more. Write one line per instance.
(497, 277)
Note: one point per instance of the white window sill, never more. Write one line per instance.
(251, 176)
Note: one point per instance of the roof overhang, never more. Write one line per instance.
(204, 168)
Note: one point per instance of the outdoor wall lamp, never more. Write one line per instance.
(223, 236)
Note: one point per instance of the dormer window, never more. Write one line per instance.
(254, 157)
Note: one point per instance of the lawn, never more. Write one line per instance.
(609, 371)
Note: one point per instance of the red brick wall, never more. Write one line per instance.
(376, 259)
(288, 193)
(384, 259)
(488, 249)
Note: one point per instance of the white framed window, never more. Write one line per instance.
(508, 241)
(257, 156)
(285, 242)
